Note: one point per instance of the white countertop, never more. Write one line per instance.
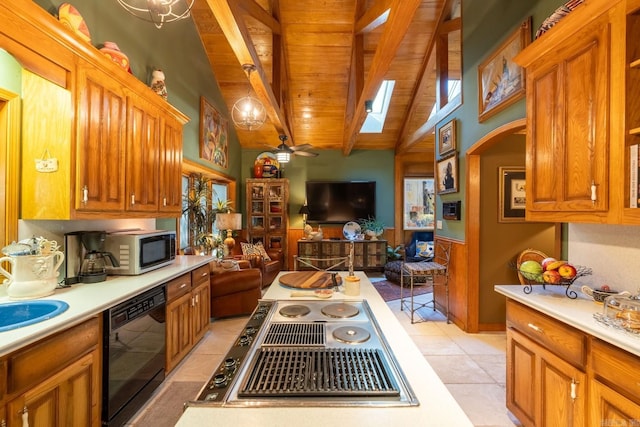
(574, 312)
(437, 406)
(88, 299)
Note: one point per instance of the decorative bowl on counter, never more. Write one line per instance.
(599, 295)
(530, 278)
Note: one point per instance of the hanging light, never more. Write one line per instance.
(158, 11)
(248, 112)
(283, 152)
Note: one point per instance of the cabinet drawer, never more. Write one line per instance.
(178, 286)
(27, 367)
(200, 275)
(617, 368)
(561, 339)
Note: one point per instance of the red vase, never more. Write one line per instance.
(257, 170)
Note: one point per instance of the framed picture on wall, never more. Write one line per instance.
(447, 138)
(418, 204)
(447, 174)
(214, 145)
(512, 196)
(501, 82)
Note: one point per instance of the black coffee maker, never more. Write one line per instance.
(86, 257)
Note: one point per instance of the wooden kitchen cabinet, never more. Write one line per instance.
(56, 382)
(268, 218)
(188, 313)
(170, 189)
(568, 86)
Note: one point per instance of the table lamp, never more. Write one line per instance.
(304, 211)
(229, 221)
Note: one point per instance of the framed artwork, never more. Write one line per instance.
(447, 138)
(418, 201)
(447, 174)
(501, 82)
(214, 145)
(512, 196)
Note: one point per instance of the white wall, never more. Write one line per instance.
(612, 251)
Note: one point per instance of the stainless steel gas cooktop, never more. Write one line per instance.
(309, 353)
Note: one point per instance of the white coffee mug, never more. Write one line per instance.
(352, 286)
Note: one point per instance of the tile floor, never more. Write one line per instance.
(471, 365)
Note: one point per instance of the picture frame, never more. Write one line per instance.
(447, 139)
(418, 204)
(512, 194)
(447, 174)
(501, 82)
(214, 145)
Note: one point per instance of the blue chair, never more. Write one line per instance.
(410, 249)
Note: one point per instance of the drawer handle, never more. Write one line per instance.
(184, 285)
(204, 274)
(536, 328)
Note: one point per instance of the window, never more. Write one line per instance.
(374, 123)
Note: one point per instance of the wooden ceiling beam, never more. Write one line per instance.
(228, 14)
(256, 11)
(373, 17)
(399, 21)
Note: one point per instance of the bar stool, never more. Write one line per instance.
(435, 272)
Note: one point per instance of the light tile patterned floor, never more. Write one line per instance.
(471, 365)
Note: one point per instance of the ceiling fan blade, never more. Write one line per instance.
(305, 154)
(300, 147)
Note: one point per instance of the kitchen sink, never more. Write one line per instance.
(17, 314)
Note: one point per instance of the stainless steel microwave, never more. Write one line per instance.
(140, 251)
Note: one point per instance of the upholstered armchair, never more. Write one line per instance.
(268, 268)
(235, 293)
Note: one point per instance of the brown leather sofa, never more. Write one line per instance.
(235, 293)
(269, 269)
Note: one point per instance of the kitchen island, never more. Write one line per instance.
(89, 299)
(437, 407)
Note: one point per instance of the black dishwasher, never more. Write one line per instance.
(133, 355)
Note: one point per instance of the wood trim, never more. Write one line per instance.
(10, 119)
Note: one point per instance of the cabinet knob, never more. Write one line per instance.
(164, 202)
(594, 197)
(85, 194)
(133, 199)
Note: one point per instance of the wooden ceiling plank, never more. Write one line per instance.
(228, 16)
(400, 18)
(256, 11)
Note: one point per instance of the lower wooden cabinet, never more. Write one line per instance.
(56, 382)
(188, 313)
(367, 254)
(610, 408)
(543, 389)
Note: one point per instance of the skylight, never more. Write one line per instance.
(453, 89)
(375, 119)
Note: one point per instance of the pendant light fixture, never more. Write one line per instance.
(283, 153)
(248, 113)
(158, 11)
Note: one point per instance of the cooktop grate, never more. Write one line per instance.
(309, 372)
(295, 334)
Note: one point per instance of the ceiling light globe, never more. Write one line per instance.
(248, 113)
(283, 157)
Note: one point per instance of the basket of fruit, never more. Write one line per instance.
(550, 271)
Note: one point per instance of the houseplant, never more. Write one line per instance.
(200, 205)
(371, 227)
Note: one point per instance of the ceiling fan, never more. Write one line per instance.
(284, 152)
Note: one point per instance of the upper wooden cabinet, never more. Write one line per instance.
(581, 112)
(118, 145)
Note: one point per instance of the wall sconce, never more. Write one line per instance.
(248, 112)
(229, 221)
(304, 211)
(158, 11)
(368, 106)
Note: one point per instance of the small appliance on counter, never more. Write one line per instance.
(140, 251)
(86, 257)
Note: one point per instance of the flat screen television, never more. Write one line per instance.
(340, 201)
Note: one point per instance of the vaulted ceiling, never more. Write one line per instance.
(317, 61)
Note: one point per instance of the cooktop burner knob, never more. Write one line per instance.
(229, 363)
(244, 340)
(250, 330)
(220, 380)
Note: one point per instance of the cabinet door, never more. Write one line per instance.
(170, 170)
(610, 406)
(100, 153)
(178, 330)
(568, 139)
(143, 158)
(543, 389)
(67, 399)
(200, 311)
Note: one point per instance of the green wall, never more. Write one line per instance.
(176, 49)
(332, 165)
(486, 23)
(10, 73)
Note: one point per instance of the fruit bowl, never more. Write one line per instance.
(551, 278)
